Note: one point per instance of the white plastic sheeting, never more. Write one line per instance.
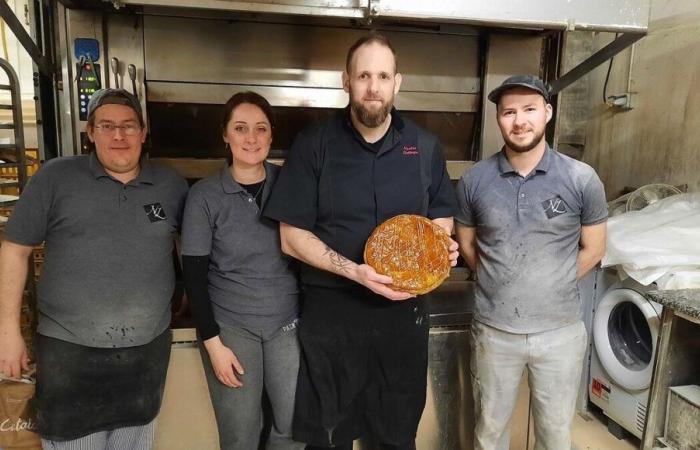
(659, 243)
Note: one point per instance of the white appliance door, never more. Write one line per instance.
(625, 328)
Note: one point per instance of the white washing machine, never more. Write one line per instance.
(625, 330)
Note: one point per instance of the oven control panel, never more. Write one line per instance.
(88, 81)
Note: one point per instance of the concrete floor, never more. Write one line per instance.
(187, 422)
(593, 435)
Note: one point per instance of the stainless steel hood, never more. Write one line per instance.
(298, 65)
(594, 15)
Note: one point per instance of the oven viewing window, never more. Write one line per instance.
(179, 130)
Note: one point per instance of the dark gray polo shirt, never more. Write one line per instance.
(108, 275)
(251, 282)
(527, 233)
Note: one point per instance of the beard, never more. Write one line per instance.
(371, 118)
(526, 147)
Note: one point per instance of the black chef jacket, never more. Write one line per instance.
(335, 185)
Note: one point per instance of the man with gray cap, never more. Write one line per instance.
(108, 221)
(532, 221)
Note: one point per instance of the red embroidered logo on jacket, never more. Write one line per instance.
(410, 150)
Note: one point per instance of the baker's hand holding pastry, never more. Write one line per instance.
(377, 283)
(454, 252)
(406, 256)
(307, 247)
(447, 224)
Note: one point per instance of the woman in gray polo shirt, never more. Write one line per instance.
(243, 290)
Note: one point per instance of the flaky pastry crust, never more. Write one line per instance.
(412, 250)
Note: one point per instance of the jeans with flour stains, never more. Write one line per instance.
(553, 360)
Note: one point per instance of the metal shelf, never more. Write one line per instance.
(8, 200)
(13, 153)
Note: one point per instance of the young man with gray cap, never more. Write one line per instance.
(532, 221)
(108, 221)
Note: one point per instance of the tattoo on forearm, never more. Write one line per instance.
(337, 260)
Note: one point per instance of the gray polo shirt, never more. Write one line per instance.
(108, 274)
(251, 282)
(527, 233)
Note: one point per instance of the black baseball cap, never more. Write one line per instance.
(526, 81)
(110, 96)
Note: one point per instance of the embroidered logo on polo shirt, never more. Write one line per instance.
(155, 212)
(410, 150)
(554, 207)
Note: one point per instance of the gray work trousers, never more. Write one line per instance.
(553, 360)
(270, 363)
(124, 438)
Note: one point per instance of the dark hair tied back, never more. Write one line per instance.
(240, 98)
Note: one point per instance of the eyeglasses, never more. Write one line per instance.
(110, 129)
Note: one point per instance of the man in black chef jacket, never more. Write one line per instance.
(364, 345)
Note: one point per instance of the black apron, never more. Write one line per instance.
(363, 367)
(83, 390)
